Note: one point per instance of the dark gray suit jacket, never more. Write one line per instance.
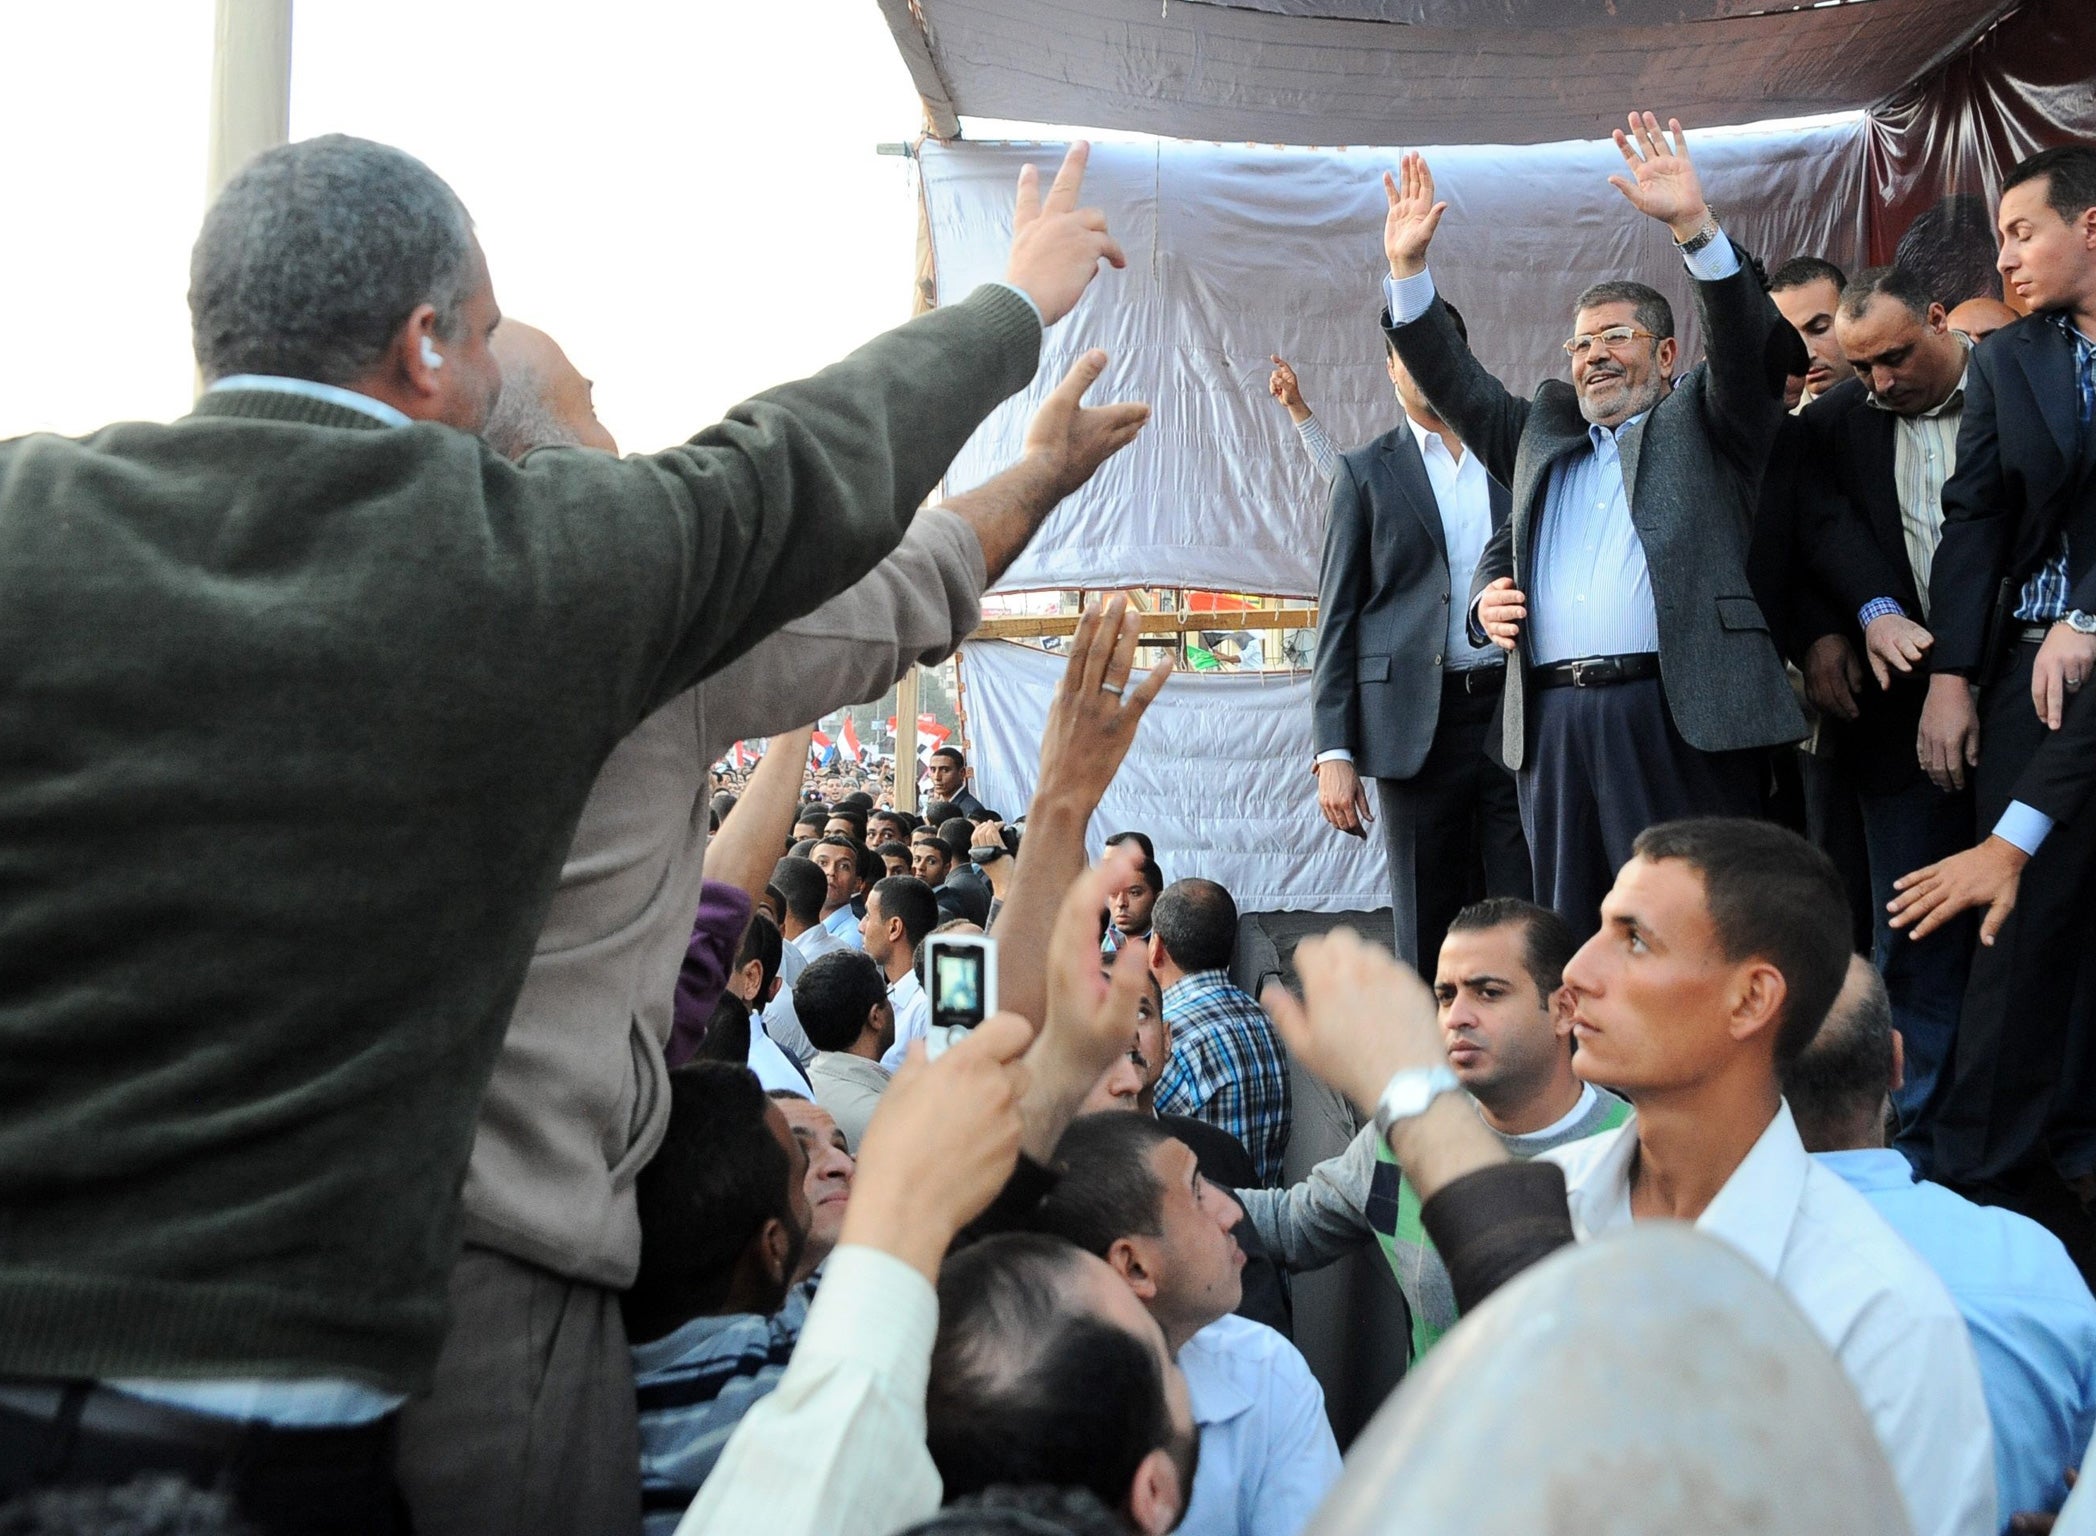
(1692, 470)
(1383, 595)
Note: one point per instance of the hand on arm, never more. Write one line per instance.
(745, 850)
(1983, 876)
(1091, 725)
(1413, 216)
(1283, 387)
(1090, 1017)
(1056, 245)
(1949, 740)
(1894, 643)
(1066, 442)
(1343, 798)
(1832, 676)
(941, 1145)
(1363, 1019)
(1662, 184)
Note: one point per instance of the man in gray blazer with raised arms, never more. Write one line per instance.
(1645, 682)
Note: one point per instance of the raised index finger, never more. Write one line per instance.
(1069, 181)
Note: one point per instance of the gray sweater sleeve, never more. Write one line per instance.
(1325, 1217)
(914, 607)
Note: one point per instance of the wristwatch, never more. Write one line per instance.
(1410, 1093)
(2081, 623)
(1706, 232)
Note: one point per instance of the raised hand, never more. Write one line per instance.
(1284, 388)
(1097, 706)
(1364, 1016)
(1071, 439)
(1662, 184)
(1056, 245)
(940, 1146)
(1408, 228)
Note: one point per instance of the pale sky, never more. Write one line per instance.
(684, 192)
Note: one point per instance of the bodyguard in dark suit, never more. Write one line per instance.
(2013, 609)
(1400, 692)
(1645, 682)
(1882, 445)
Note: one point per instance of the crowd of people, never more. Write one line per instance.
(432, 1102)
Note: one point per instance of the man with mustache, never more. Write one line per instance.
(1633, 503)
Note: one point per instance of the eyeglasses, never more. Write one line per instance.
(1612, 338)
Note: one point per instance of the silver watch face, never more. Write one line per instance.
(2081, 623)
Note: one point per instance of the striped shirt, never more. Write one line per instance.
(1924, 455)
(692, 1388)
(2044, 596)
(1227, 1067)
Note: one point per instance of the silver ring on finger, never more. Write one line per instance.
(1116, 689)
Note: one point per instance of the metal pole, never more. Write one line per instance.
(250, 85)
(906, 741)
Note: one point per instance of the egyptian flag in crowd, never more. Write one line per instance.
(848, 738)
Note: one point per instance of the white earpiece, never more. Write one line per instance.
(431, 357)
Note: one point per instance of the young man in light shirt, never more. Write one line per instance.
(1722, 945)
(900, 912)
(1132, 1193)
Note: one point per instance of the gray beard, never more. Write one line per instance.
(1641, 401)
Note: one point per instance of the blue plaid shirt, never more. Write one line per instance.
(1227, 1067)
(2044, 596)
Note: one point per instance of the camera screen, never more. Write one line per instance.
(957, 986)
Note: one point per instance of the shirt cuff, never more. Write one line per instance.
(1408, 297)
(877, 1312)
(1029, 302)
(1878, 608)
(1715, 261)
(1472, 627)
(1334, 755)
(2024, 825)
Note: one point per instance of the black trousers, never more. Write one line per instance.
(1452, 831)
(1602, 765)
(283, 1482)
(2019, 1109)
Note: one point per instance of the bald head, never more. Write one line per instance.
(1838, 1086)
(1981, 318)
(545, 400)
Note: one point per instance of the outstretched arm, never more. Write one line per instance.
(1486, 417)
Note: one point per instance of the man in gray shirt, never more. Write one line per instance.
(1508, 1039)
(531, 1425)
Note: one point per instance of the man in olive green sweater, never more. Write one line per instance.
(300, 699)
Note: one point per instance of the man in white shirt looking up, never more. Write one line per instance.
(1722, 946)
(900, 911)
(838, 859)
(1133, 1194)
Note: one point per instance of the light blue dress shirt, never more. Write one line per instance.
(2032, 1320)
(1268, 1457)
(1591, 592)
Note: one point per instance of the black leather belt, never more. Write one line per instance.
(2033, 634)
(1596, 671)
(105, 1411)
(1474, 680)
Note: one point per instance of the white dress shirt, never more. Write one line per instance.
(815, 942)
(913, 1017)
(1268, 1457)
(1885, 1315)
(838, 1446)
(843, 926)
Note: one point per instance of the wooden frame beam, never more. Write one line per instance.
(1174, 622)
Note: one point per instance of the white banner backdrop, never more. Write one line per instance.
(1219, 776)
(1238, 252)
